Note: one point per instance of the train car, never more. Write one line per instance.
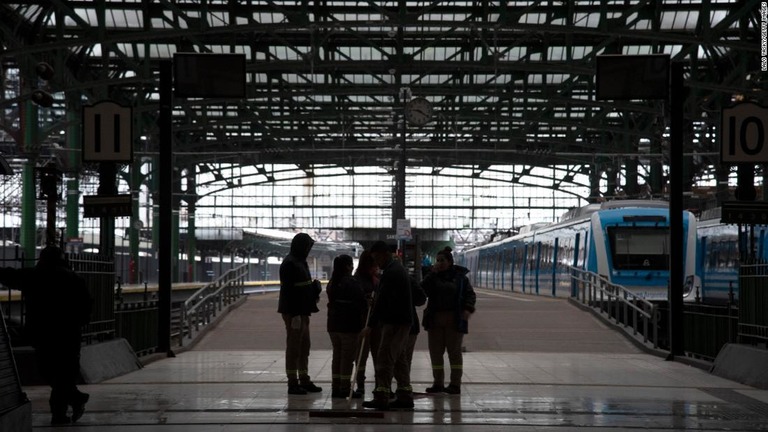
(721, 250)
(625, 241)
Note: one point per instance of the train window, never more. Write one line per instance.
(639, 248)
(582, 252)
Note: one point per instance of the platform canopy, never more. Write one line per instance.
(514, 132)
(326, 82)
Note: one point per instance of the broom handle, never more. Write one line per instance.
(357, 367)
(360, 353)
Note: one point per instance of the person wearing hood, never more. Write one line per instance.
(450, 302)
(299, 295)
(58, 305)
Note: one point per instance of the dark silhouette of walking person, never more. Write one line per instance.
(58, 305)
(299, 295)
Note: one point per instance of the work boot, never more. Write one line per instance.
(340, 391)
(58, 412)
(436, 388)
(453, 389)
(309, 386)
(359, 392)
(344, 392)
(380, 401)
(78, 406)
(294, 388)
(58, 406)
(404, 401)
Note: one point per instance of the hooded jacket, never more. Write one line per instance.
(299, 294)
(394, 301)
(446, 291)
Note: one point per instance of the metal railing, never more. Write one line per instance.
(617, 303)
(205, 304)
(707, 328)
(753, 302)
(136, 322)
(99, 274)
(11, 394)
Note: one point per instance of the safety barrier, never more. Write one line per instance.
(137, 323)
(617, 303)
(753, 303)
(707, 328)
(205, 304)
(99, 274)
(11, 394)
(98, 271)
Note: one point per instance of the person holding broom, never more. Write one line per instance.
(367, 274)
(393, 311)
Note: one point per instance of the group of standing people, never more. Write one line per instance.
(373, 310)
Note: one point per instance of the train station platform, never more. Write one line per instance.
(531, 364)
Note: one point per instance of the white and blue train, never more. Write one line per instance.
(720, 252)
(627, 242)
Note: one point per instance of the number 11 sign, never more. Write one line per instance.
(107, 133)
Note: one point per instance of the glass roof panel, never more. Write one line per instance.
(589, 20)
(637, 49)
(485, 68)
(533, 18)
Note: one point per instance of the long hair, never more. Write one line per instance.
(341, 266)
(364, 264)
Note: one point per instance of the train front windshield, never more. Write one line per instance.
(639, 248)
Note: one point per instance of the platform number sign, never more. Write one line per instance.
(744, 134)
(107, 133)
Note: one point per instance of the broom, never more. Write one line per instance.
(359, 355)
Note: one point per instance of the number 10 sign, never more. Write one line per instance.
(743, 134)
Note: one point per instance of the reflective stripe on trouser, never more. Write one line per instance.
(297, 345)
(342, 360)
(391, 361)
(442, 336)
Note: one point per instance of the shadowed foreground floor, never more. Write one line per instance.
(532, 364)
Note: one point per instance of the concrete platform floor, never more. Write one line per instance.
(559, 369)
